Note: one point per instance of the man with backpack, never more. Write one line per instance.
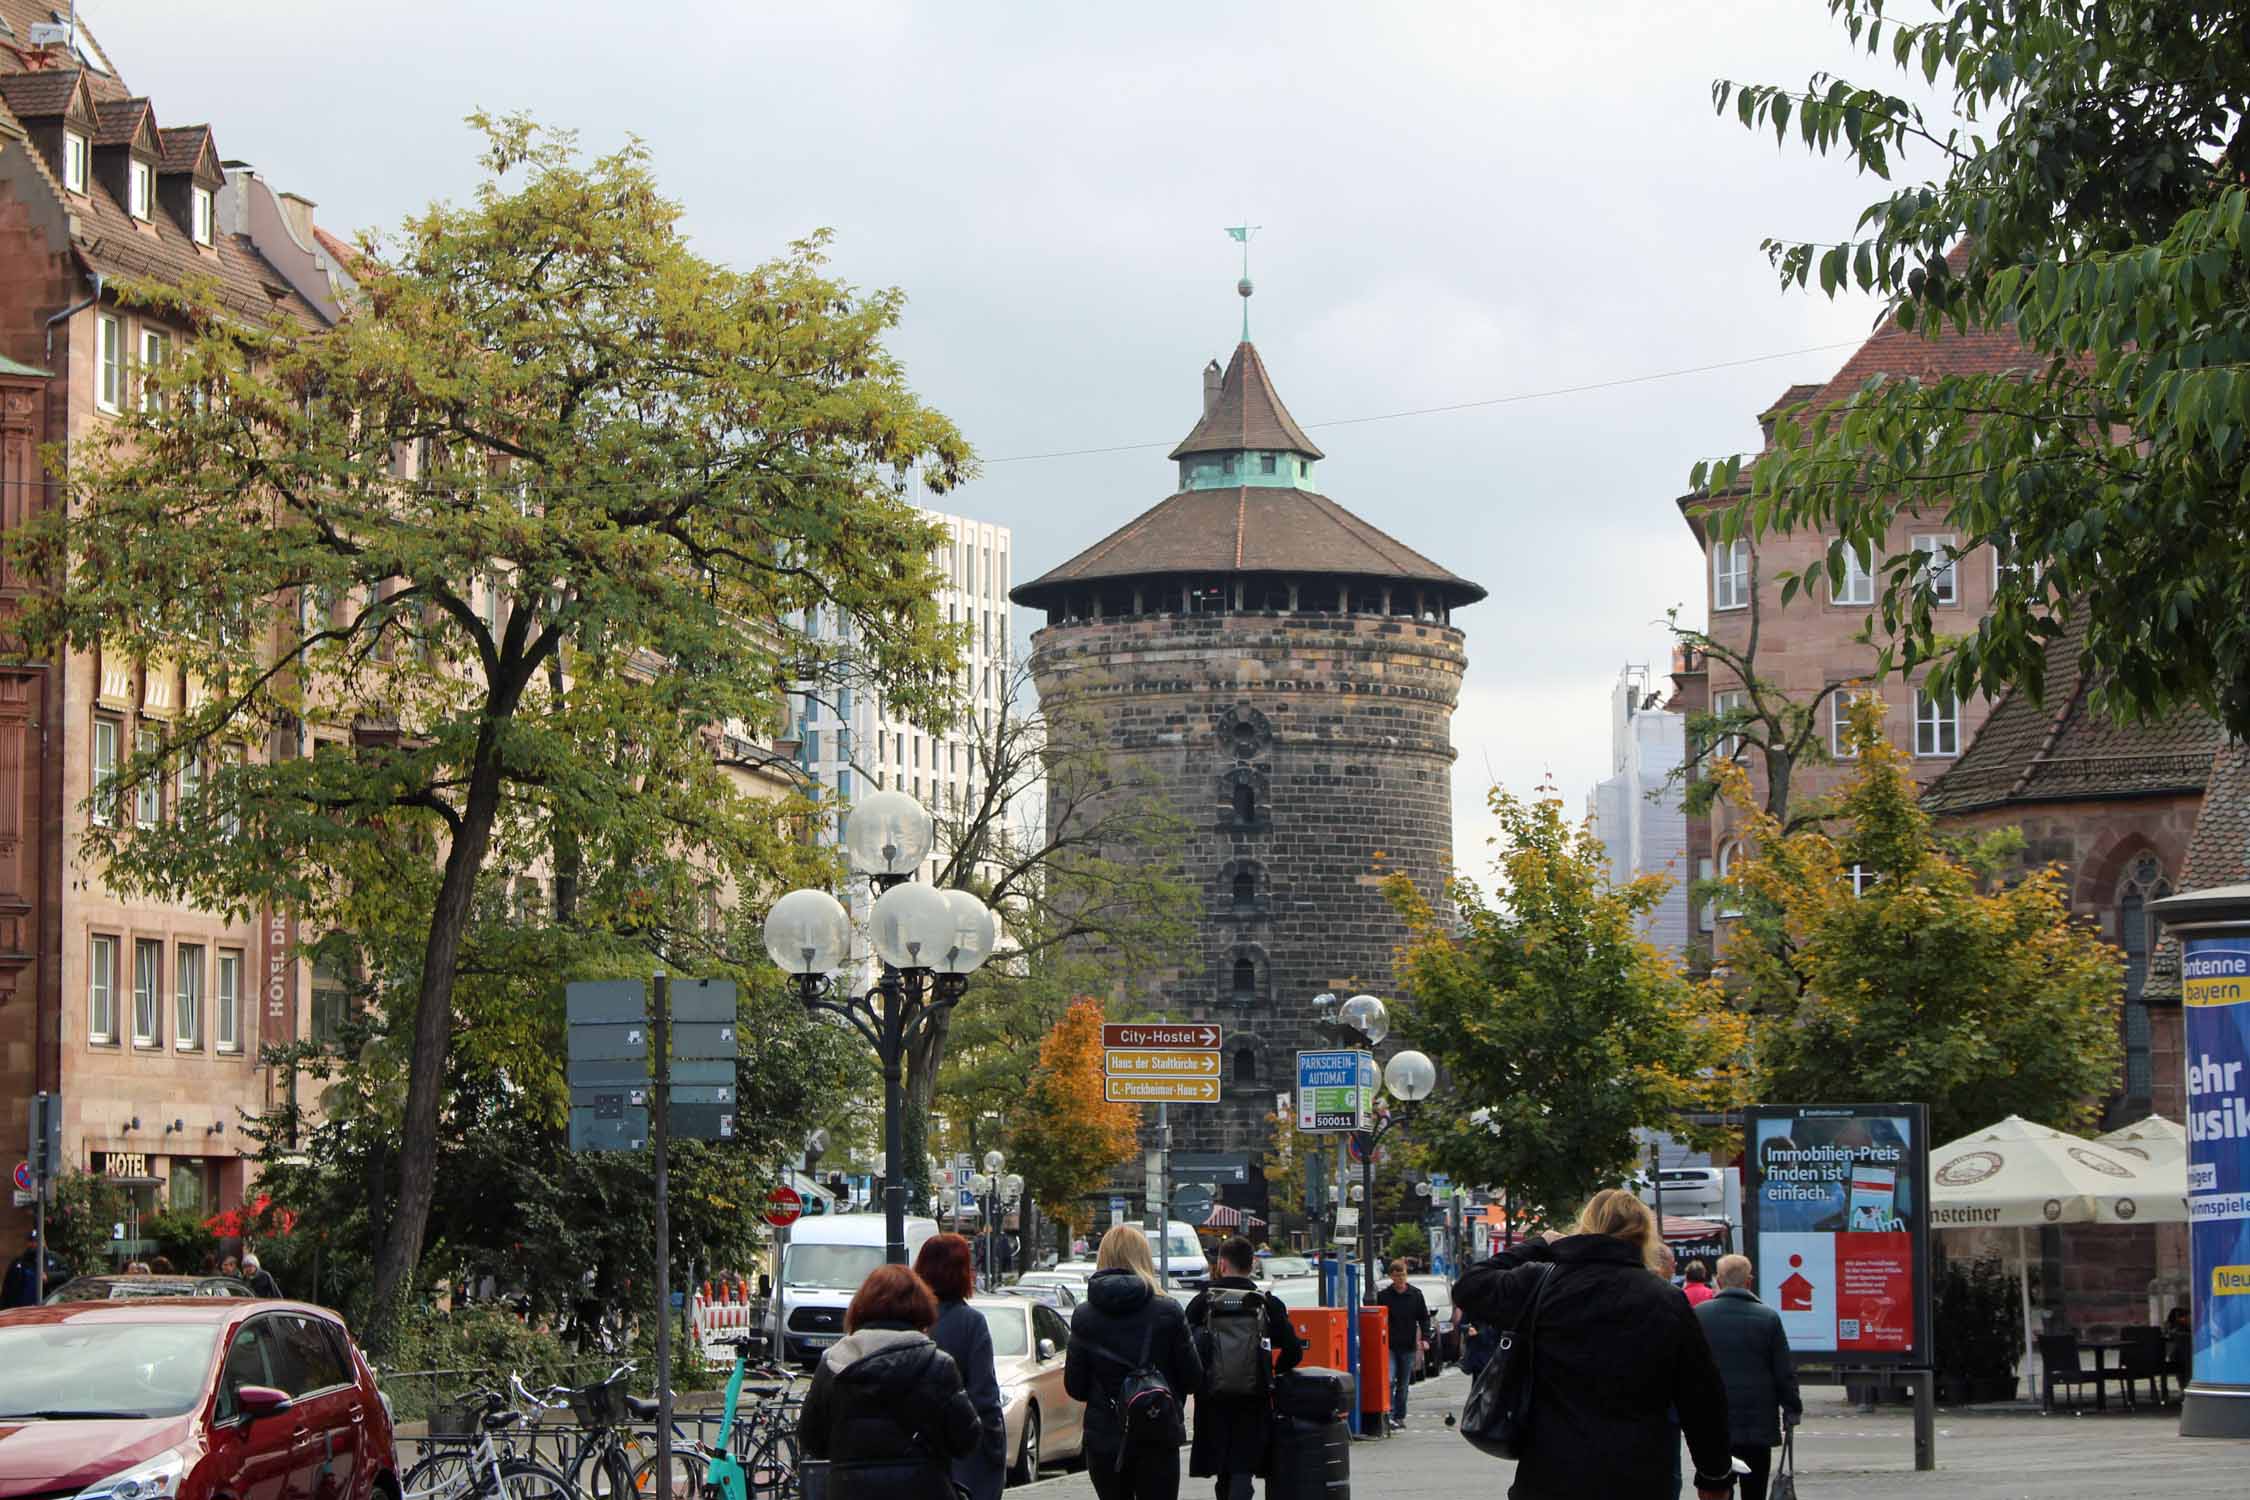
(1245, 1339)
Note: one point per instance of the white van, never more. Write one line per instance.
(821, 1268)
(1185, 1252)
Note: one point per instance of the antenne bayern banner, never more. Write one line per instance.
(1837, 1224)
(2215, 1004)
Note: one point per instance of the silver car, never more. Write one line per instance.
(1028, 1342)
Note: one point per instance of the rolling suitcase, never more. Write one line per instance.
(1308, 1459)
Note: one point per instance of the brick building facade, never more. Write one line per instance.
(1287, 675)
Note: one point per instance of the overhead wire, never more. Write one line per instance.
(1509, 400)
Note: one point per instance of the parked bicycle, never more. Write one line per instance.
(493, 1468)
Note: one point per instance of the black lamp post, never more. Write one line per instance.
(930, 942)
(1409, 1076)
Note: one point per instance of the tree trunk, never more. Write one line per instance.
(569, 857)
(433, 1029)
(1779, 765)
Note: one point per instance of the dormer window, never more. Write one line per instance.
(200, 214)
(74, 161)
(143, 191)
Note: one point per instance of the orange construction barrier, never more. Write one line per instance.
(1322, 1329)
(1374, 1361)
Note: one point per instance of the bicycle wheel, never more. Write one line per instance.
(441, 1474)
(687, 1477)
(772, 1470)
(523, 1479)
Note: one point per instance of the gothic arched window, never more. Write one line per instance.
(2143, 882)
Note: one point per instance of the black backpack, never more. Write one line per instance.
(1148, 1413)
(1236, 1362)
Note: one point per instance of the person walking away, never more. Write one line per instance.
(961, 1331)
(1616, 1350)
(1243, 1337)
(1409, 1323)
(1752, 1349)
(886, 1408)
(1699, 1289)
(1129, 1349)
(261, 1280)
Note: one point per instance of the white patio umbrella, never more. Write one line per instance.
(2017, 1175)
(2155, 1140)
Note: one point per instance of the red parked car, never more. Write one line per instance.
(187, 1399)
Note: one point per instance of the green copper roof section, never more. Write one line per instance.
(11, 367)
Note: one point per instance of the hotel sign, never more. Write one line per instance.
(280, 940)
(128, 1164)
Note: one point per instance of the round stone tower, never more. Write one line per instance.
(1286, 674)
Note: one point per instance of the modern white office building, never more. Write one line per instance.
(1637, 811)
(852, 743)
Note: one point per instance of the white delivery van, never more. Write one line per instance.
(821, 1268)
(1185, 1252)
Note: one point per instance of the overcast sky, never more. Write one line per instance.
(1460, 202)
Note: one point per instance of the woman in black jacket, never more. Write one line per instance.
(1127, 1318)
(886, 1408)
(1616, 1350)
(945, 1268)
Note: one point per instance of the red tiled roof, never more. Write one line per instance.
(1248, 414)
(2065, 750)
(38, 96)
(118, 122)
(19, 16)
(178, 148)
(345, 254)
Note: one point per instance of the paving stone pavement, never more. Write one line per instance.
(1841, 1455)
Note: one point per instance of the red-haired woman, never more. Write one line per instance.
(945, 1267)
(886, 1407)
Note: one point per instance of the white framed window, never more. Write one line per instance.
(191, 783)
(187, 997)
(1859, 579)
(109, 378)
(1862, 879)
(101, 988)
(226, 1006)
(74, 161)
(2008, 571)
(1728, 746)
(108, 737)
(148, 991)
(1730, 574)
(1937, 724)
(1728, 853)
(1937, 561)
(200, 215)
(141, 182)
(154, 345)
(148, 796)
(1840, 720)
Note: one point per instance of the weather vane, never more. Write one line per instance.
(1241, 234)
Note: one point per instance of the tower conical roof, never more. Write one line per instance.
(1247, 415)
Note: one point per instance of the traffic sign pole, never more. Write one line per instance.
(658, 1108)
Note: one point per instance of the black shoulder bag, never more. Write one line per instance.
(1497, 1415)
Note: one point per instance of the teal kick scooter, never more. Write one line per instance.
(771, 1472)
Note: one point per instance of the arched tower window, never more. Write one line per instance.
(1245, 890)
(1244, 976)
(1246, 1065)
(1245, 802)
(1243, 805)
(2143, 882)
(1245, 980)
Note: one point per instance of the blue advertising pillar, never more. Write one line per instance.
(2214, 931)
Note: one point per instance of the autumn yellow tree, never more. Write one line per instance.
(1069, 1136)
(1884, 962)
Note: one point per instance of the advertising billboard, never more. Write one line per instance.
(2215, 1005)
(1836, 1221)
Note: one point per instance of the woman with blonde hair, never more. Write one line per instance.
(1615, 1352)
(1128, 1326)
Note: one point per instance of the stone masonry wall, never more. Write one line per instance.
(1339, 729)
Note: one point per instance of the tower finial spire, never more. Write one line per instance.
(1242, 233)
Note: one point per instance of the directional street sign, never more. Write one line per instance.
(1161, 1090)
(703, 1040)
(613, 1043)
(609, 1001)
(1161, 1034)
(1139, 1063)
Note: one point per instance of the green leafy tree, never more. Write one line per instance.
(2090, 204)
(550, 433)
(85, 1209)
(1557, 1028)
(1936, 983)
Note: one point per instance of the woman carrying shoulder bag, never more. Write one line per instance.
(886, 1408)
(1126, 1340)
(1617, 1350)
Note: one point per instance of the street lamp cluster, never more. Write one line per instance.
(930, 942)
(1409, 1077)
